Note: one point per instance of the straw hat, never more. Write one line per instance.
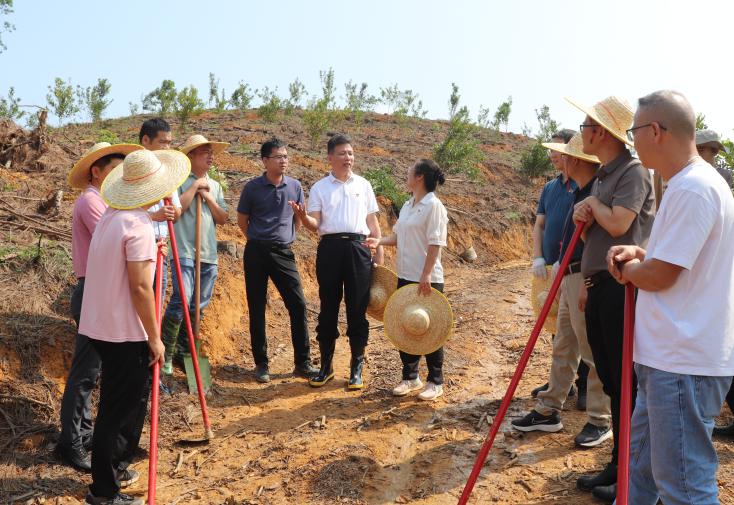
(144, 178)
(613, 113)
(383, 285)
(197, 140)
(418, 324)
(78, 177)
(538, 295)
(575, 148)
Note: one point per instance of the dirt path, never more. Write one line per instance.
(273, 445)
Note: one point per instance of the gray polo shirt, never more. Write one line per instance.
(622, 183)
(271, 218)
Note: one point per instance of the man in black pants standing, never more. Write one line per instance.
(269, 223)
(619, 211)
(343, 210)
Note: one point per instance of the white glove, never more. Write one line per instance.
(554, 270)
(539, 268)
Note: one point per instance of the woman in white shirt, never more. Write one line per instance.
(419, 235)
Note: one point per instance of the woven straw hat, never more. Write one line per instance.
(575, 148)
(197, 140)
(383, 285)
(538, 294)
(78, 177)
(614, 114)
(144, 178)
(418, 324)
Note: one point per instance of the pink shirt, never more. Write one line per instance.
(108, 312)
(88, 208)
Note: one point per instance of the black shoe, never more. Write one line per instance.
(127, 477)
(535, 421)
(118, 499)
(355, 370)
(534, 392)
(77, 457)
(607, 494)
(87, 443)
(606, 477)
(305, 370)
(724, 431)
(592, 435)
(262, 374)
(327, 371)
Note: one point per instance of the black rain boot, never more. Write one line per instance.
(355, 372)
(327, 370)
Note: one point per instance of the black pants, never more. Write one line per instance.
(583, 375)
(730, 397)
(434, 361)
(343, 269)
(263, 261)
(605, 330)
(124, 391)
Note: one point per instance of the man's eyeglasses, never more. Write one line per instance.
(584, 125)
(631, 131)
(278, 157)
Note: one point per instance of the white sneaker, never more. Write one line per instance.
(431, 392)
(406, 387)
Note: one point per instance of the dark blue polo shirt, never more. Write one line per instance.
(569, 227)
(555, 200)
(271, 218)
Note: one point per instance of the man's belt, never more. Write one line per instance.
(270, 244)
(573, 268)
(597, 278)
(344, 236)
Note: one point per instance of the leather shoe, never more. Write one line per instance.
(77, 457)
(724, 431)
(607, 494)
(262, 374)
(305, 370)
(606, 477)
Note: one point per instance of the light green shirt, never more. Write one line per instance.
(185, 227)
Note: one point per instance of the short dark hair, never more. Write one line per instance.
(152, 126)
(104, 161)
(337, 140)
(431, 172)
(271, 145)
(564, 134)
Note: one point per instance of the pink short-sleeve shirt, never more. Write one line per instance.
(88, 209)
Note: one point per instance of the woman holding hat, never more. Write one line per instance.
(419, 235)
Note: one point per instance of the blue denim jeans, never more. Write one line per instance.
(671, 454)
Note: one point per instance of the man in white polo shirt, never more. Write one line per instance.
(343, 210)
(684, 327)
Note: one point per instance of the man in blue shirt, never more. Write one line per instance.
(269, 224)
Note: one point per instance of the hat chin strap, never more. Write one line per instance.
(416, 320)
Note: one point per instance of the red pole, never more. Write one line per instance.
(626, 400)
(484, 451)
(187, 319)
(153, 453)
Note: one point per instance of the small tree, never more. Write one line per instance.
(547, 126)
(6, 7)
(701, 121)
(296, 91)
(402, 103)
(453, 100)
(242, 97)
(271, 104)
(316, 119)
(459, 152)
(61, 101)
(328, 88)
(483, 117)
(188, 104)
(161, 100)
(10, 106)
(534, 161)
(94, 98)
(359, 100)
(217, 98)
(134, 108)
(502, 115)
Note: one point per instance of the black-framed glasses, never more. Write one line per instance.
(278, 157)
(584, 125)
(631, 131)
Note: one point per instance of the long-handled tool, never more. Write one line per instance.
(623, 471)
(484, 451)
(208, 433)
(205, 370)
(153, 453)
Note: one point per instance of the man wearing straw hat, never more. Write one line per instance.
(343, 210)
(267, 220)
(684, 324)
(118, 311)
(570, 344)
(619, 211)
(76, 405)
(214, 211)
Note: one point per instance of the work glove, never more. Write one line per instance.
(539, 268)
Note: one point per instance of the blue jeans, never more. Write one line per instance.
(174, 311)
(671, 454)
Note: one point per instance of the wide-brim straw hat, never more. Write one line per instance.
(418, 324)
(538, 295)
(383, 285)
(575, 148)
(197, 140)
(144, 177)
(614, 114)
(78, 177)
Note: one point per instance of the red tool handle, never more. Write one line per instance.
(187, 319)
(155, 390)
(484, 451)
(623, 471)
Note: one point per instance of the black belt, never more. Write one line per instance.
(344, 236)
(573, 268)
(271, 244)
(597, 278)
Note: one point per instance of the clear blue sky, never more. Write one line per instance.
(536, 51)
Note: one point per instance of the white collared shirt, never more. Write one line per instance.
(161, 227)
(420, 225)
(344, 206)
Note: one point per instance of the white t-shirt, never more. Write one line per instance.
(160, 228)
(689, 327)
(420, 225)
(344, 206)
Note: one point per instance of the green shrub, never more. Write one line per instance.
(534, 161)
(384, 184)
(297, 92)
(61, 101)
(242, 97)
(188, 104)
(94, 98)
(10, 106)
(271, 104)
(104, 135)
(316, 120)
(459, 151)
(161, 100)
